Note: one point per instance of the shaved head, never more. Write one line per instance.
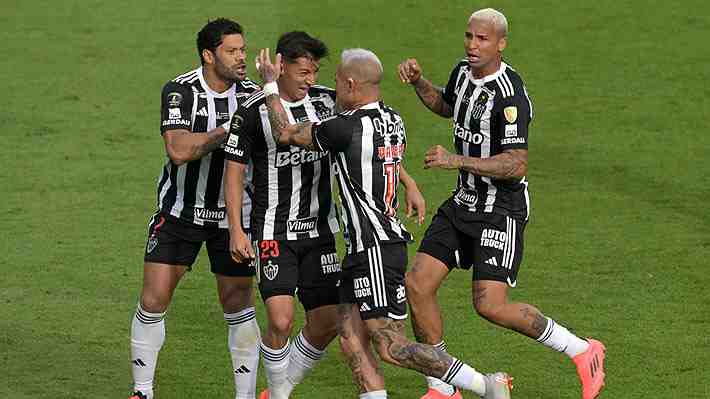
(361, 65)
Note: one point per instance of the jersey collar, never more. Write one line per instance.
(229, 92)
(488, 78)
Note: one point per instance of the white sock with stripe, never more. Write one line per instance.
(437, 384)
(276, 365)
(303, 358)
(560, 339)
(243, 341)
(147, 337)
(463, 376)
(374, 395)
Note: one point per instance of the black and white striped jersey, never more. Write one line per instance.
(367, 145)
(490, 115)
(193, 191)
(292, 189)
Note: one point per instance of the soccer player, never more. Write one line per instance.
(367, 140)
(481, 225)
(293, 217)
(196, 109)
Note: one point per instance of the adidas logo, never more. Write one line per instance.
(202, 112)
(364, 307)
(492, 261)
(242, 370)
(139, 363)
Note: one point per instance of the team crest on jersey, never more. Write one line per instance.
(152, 243)
(271, 270)
(322, 111)
(174, 99)
(511, 114)
(480, 105)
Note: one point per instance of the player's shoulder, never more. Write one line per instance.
(184, 81)
(319, 91)
(509, 83)
(246, 87)
(253, 100)
(460, 64)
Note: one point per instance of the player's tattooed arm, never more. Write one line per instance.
(184, 146)
(510, 164)
(284, 132)
(430, 95)
(394, 347)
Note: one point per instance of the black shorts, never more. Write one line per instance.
(175, 242)
(374, 280)
(492, 243)
(307, 267)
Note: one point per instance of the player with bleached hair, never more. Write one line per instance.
(481, 226)
(367, 140)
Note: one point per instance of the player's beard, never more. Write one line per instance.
(227, 74)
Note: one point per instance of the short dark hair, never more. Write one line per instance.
(211, 35)
(298, 44)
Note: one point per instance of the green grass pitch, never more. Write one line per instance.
(617, 247)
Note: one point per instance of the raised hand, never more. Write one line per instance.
(409, 71)
(268, 71)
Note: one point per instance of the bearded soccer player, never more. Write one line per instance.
(196, 109)
(481, 225)
(367, 140)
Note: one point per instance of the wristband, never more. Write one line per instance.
(271, 88)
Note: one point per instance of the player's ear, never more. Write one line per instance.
(502, 44)
(208, 56)
(351, 84)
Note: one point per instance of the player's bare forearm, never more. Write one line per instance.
(432, 97)
(424, 358)
(406, 179)
(283, 131)
(511, 164)
(184, 146)
(234, 193)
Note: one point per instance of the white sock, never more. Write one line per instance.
(147, 337)
(276, 367)
(243, 344)
(465, 377)
(374, 395)
(561, 340)
(437, 384)
(303, 358)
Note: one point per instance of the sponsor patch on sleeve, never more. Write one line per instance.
(174, 113)
(511, 130)
(233, 140)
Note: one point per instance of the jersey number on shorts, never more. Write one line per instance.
(268, 249)
(390, 170)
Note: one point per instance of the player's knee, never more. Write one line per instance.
(155, 302)
(281, 325)
(415, 287)
(487, 310)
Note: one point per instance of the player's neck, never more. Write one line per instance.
(217, 84)
(487, 70)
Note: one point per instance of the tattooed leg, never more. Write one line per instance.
(394, 347)
(490, 299)
(355, 345)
